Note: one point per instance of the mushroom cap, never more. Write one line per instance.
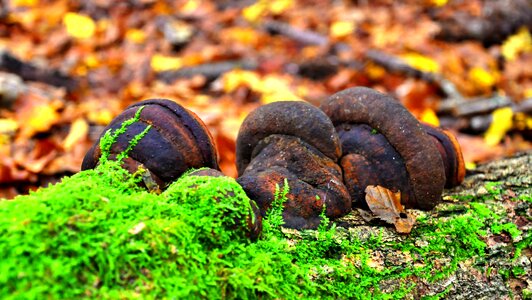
(423, 162)
(294, 118)
(451, 154)
(177, 141)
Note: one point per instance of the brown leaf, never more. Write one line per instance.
(387, 206)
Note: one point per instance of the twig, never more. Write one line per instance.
(498, 20)
(210, 71)
(397, 65)
(306, 37)
(29, 72)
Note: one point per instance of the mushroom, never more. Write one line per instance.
(176, 142)
(296, 142)
(383, 144)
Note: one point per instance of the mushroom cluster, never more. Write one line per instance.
(327, 155)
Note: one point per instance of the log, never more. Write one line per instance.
(501, 270)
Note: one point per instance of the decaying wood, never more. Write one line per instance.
(210, 71)
(498, 19)
(305, 37)
(468, 282)
(396, 65)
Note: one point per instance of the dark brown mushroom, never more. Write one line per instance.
(450, 152)
(383, 144)
(296, 142)
(177, 141)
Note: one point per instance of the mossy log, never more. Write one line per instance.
(503, 270)
(99, 235)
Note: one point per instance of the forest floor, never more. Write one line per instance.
(68, 67)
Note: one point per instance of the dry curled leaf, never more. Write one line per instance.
(387, 206)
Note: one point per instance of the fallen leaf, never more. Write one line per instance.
(137, 228)
(161, 63)
(78, 131)
(430, 117)
(367, 215)
(24, 3)
(482, 78)
(340, 29)
(439, 3)
(516, 44)
(236, 78)
(135, 35)
(421, 62)
(387, 206)
(8, 126)
(502, 122)
(79, 26)
(40, 118)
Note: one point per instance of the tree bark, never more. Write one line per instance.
(503, 184)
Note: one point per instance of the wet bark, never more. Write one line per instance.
(513, 178)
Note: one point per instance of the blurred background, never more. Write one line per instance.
(68, 67)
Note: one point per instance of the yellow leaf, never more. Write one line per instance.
(439, 2)
(92, 61)
(27, 3)
(430, 117)
(500, 124)
(41, 118)
(101, 117)
(253, 12)
(78, 131)
(528, 93)
(274, 88)
(340, 29)
(421, 62)
(8, 126)
(521, 42)
(79, 26)
(135, 35)
(232, 80)
(284, 95)
(190, 6)
(161, 63)
(470, 165)
(278, 6)
(481, 78)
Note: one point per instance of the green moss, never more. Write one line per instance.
(98, 235)
(509, 228)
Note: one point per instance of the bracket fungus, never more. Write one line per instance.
(176, 142)
(383, 144)
(293, 141)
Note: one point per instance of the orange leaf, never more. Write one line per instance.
(40, 119)
(387, 206)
